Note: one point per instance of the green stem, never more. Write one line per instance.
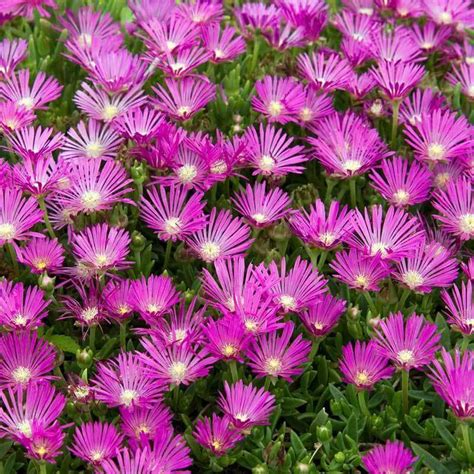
(403, 299)
(42, 466)
(256, 49)
(314, 348)
(12, 253)
(233, 371)
(47, 222)
(176, 396)
(405, 384)
(466, 438)
(362, 403)
(465, 343)
(395, 110)
(313, 255)
(92, 332)
(352, 187)
(169, 245)
(123, 335)
(268, 380)
(371, 303)
(322, 260)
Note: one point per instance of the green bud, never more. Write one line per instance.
(340, 457)
(260, 469)
(275, 450)
(119, 217)
(84, 358)
(304, 195)
(302, 468)
(138, 172)
(323, 433)
(138, 241)
(336, 406)
(189, 295)
(353, 312)
(280, 232)
(71, 409)
(46, 283)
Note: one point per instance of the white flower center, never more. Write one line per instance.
(24, 427)
(85, 39)
(243, 417)
(442, 179)
(94, 150)
(128, 396)
(41, 263)
(288, 302)
(470, 91)
(176, 67)
(20, 320)
(96, 456)
(362, 377)
(219, 53)
(27, 102)
(173, 225)
(91, 199)
(171, 45)
(327, 238)
(466, 223)
(401, 197)
(110, 111)
(266, 163)
(21, 374)
(183, 110)
(7, 231)
(210, 251)
(250, 325)
(306, 114)
(101, 260)
(413, 279)
(154, 308)
(89, 314)
(228, 350)
(178, 371)
(405, 356)
(219, 167)
(187, 173)
(445, 17)
(351, 165)
(273, 366)
(436, 152)
(366, 11)
(379, 247)
(275, 108)
(259, 218)
(362, 281)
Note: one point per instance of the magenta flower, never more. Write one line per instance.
(226, 338)
(443, 173)
(136, 461)
(453, 380)
(26, 8)
(463, 75)
(273, 354)
(14, 116)
(325, 72)
(360, 271)
(448, 12)
(314, 108)
(401, 183)
(409, 344)
(223, 236)
(176, 364)
(278, 99)
(201, 12)
(183, 62)
(45, 444)
(363, 366)
(182, 99)
(173, 213)
(223, 44)
(12, 53)
(140, 124)
(162, 10)
(396, 46)
(153, 296)
(456, 208)
(420, 105)
(26, 359)
(468, 268)
(361, 28)
(126, 381)
(440, 136)
(18, 215)
(216, 435)
(170, 453)
(360, 85)
(322, 317)
(117, 297)
(96, 442)
(429, 37)
(321, 230)
(459, 307)
(259, 208)
(397, 79)
(256, 16)
(17, 89)
(272, 153)
(42, 255)
(35, 142)
(245, 405)
(391, 457)
(21, 308)
(394, 236)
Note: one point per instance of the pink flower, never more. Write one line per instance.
(459, 307)
(224, 44)
(12, 53)
(42, 255)
(183, 62)
(216, 435)
(320, 318)
(35, 142)
(140, 124)
(391, 457)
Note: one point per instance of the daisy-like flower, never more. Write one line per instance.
(360, 271)
(440, 136)
(455, 206)
(95, 187)
(320, 318)
(271, 152)
(223, 236)
(453, 380)
(169, 453)
(274, 355)
(35, 97)
(459, 306)
(136, 461)
(18, 215)
(259, 208)
(99, 105)
(314, 108)
(223, 44)
(431, 266)
(182, 99)
(468, 268)
(101, 248)
(126, 381)
(216, 435)
(296, 289)
(393, 236)
(401, 183)
(26, 359)
(21, 308)
(325, 72)
(153, 296)
(360, 85)
(140, 124)
(173, 213)
(448, 12)
(395, 46)
(226, 338)
(42, 255)
(27, 410)
(96, 442)
(363, 366)
(26, 8)
(14, 116)
(464, 75)
(409, 344)
(278, 98)
(429, 37)
(143, 10)
(360, 28)
(45, 444)
(391, 457)
(256, 16)
(397, 79)
(89, 310)
(420, 105)
(285, 36)
(93, 140)
(118, 298)
(12, 53)
(318, 229)
(176, 364)
(444, 173)
(245, 405)
(183, 62)
(201, 12)
(35, 142)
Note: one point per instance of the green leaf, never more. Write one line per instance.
(297, 444)
(4, 447)
(441, 426)
(429, 460)
(292, 403)
(64, 343)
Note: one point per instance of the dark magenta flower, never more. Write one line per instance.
(12, 53)
(42, 255)
(223, 43)
(216, 435)
(459, 307)
(392, 457)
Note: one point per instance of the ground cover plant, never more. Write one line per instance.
(236, 236)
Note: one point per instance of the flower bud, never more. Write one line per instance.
(84, 358)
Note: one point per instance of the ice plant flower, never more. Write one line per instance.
(42, 255)
(314, 108)
(273, 354)
(459, 307)
(45, 444)
(259, 207)
(395, 46)
(26, 359)
(453, 379)
(202, 13)
(14, 116)
(363, 366)
(402, 184)
(126, 382)
(455, 208)
(320, 318)
(256, 16)
(318, 229)
(223, 236)
(89, 310)
(117, 297)
(173, 213)
(224, 44)
(140, 124)
(12, 53)
(420, 105)
(182, 63)
(464, 75)
(216, 435)
(96, 442)
(448, 12)
(409, 344)
(360, 271)
(391, 457)
(245, 405)
(468, 268)
(272, 153)
(429, 37)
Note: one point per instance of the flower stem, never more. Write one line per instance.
(123, 335)
(233, 370)
(266, 386)
(42, 466)
(92, 332)
(403, 299)
(352, 187)
(362, 403)
(169, 245)
(12, 253)
(395, 110)
(47, 222)
(322, 259)
(256, 49)
(176, 397)
(371, 303)
(314, 348)
(405, 384)
(466, 438)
